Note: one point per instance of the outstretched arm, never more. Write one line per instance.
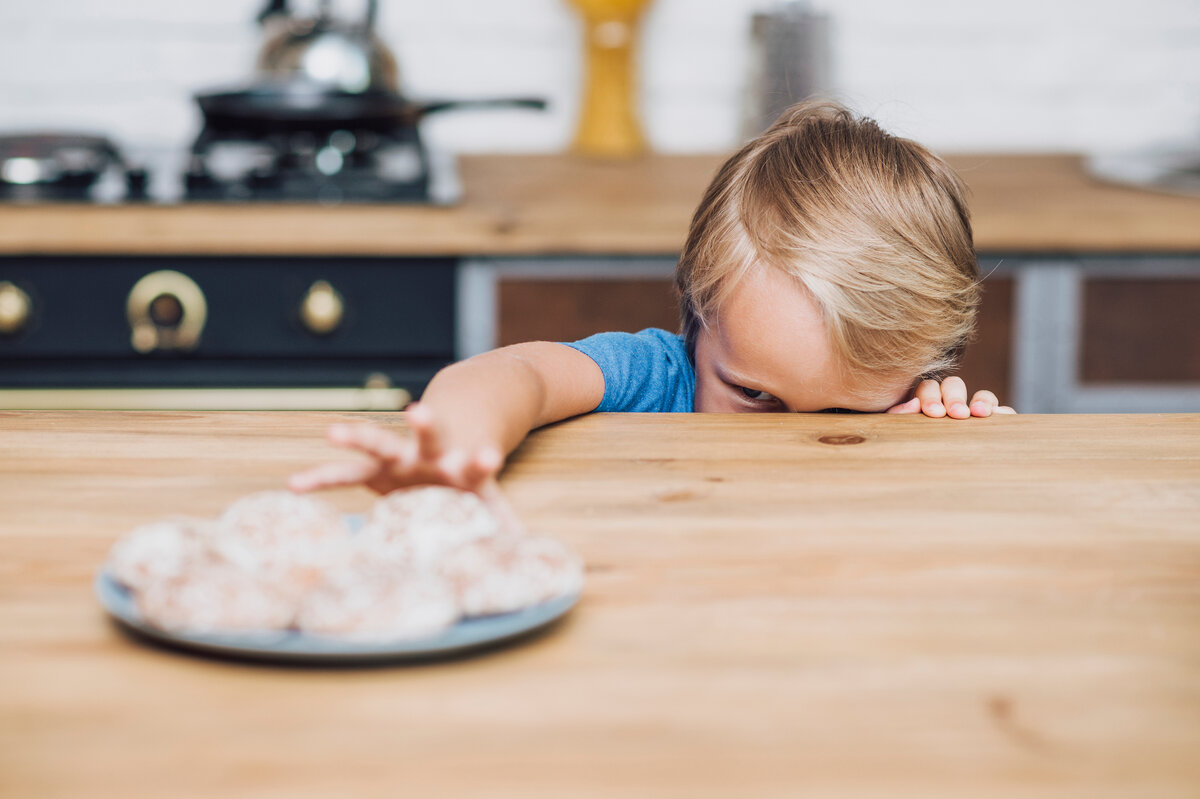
(471, 416)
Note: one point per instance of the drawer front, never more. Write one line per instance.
(390, 308)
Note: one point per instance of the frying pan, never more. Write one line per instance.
(297, 106)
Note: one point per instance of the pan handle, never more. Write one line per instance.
(434, 106)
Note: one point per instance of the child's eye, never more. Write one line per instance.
(756, 395)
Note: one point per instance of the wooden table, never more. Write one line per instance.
(780, 605)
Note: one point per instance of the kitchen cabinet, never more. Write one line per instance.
(1089, 296)
(230, 332)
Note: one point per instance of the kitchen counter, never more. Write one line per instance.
(780, 604)
(561, 205)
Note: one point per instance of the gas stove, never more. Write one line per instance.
(342, 166)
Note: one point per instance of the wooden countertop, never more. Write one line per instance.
(560, 205)
(996, 608)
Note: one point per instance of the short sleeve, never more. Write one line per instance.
(648, 371)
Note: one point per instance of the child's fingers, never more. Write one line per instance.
(330, 475)
(930, 395)
(420, 421)
(451, 466)
(954, 398)
(949, 398)
(369, 439)
(482, 467)
(912, 406)
(984, 403)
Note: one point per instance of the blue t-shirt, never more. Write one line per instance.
(645, 371)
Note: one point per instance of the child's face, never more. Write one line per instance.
(767, 351)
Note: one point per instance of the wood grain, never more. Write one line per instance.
(994, 608)
(566, 205)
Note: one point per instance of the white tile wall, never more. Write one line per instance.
(956, 74)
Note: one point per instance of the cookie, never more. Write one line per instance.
(378, 544)
(434, 520)
(284, 537)
(213, 598)
(281, 519)
(364, 605)
(505, 574)
(157, 552)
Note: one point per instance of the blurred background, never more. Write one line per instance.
(1058, 75)
(318, 203)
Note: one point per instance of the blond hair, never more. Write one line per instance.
(874, 227)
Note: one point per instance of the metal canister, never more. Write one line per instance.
(789, 61)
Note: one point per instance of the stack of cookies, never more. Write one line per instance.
(425, 559)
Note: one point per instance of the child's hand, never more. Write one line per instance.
(399, 462)
(949, 398)
(396, 462)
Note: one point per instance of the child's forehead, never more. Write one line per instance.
(768, 311)
(770, 333)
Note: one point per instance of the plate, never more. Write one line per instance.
(298, 647)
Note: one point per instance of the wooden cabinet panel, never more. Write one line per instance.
(1141, 331)
(571, 309)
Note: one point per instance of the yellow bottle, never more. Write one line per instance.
(608, 119)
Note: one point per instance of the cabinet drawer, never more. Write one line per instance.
(386, 307)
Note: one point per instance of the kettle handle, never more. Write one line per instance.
(273, 8)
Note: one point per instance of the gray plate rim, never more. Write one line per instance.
(294, 646)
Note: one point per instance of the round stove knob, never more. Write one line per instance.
(15, 309)
(166, 311)
(322, 309)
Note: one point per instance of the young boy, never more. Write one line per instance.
(829, 266)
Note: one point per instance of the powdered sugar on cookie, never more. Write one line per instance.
(502, 575)
(372, 606)
(434, 521)
(158, 552)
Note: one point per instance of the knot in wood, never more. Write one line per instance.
(847, 439)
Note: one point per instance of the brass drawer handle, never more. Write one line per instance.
(322, 309)
(15, 309)
(166, 311)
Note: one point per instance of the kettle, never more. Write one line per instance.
(325, 51)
